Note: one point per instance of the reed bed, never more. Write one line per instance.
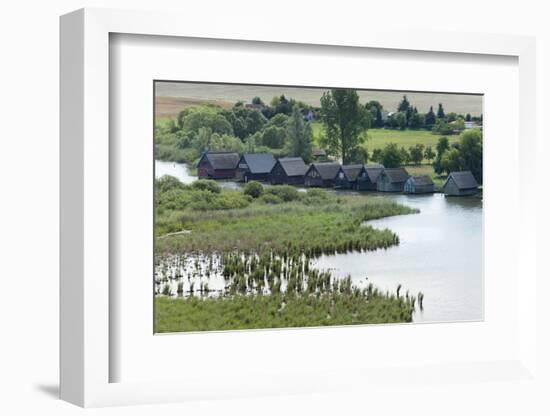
(249, 265)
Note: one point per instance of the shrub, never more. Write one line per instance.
(285, 192)
(270, 198)
(253, 189)
(206, 185)
(314, 196)
(167, 183)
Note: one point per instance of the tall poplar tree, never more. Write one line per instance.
(345, 122)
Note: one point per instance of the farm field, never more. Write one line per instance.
(168, 93)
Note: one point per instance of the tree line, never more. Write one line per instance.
(283, 128)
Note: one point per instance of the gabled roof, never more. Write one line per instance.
(423, 180)
(327, 170)
(293, 166)
(463, 180)
(396, 175)
(374, 171)
(259, 162)
(222, 160)
(351, 171)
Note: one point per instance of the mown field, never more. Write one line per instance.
(379, 138)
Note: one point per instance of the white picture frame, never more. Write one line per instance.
(85, 353)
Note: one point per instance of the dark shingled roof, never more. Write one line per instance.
(352, 171)
(374, 171)
(464, 179)
(259, 162)
(293, 166)
(223, 160)
(327, 170)
(396, 175)
(423, 180)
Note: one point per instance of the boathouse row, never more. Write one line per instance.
(294, 171)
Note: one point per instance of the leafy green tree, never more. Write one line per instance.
(345, 122)
(440, 112)
(429, 153)
(442, 127)
(257, 101)
(373, 105)
(282, 105)
(391, 156)
(441, 148)
(468, 117)
(417, 153)
(451, 161)
(376, 155)
(405, 155)
(253, 189)
(359, 155)
(467, 154)
(416, 121)
(375, 109)
(451, 117)
(400, 120)
(397, 121)
(471, 152)
(204, 117)
(245, 121)
(430, 118)
(299, 136)
(458, 124)
(278, 120)
(274, 137)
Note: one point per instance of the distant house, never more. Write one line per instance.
(218, 165)
(419, 185)
(288, 170)
(460, 184)
(392, 180)
(255, 167)
(322, 174)
(368, 178)
(319, 155)
(346, 177)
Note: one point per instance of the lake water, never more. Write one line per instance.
(440, 253)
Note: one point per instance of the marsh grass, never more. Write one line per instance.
(334, 306)
(263, 254)
(335, 226)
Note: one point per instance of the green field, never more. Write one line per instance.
(379, 138)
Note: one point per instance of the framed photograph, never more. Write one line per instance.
(314, 215)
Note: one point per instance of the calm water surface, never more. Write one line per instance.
(440, 253)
